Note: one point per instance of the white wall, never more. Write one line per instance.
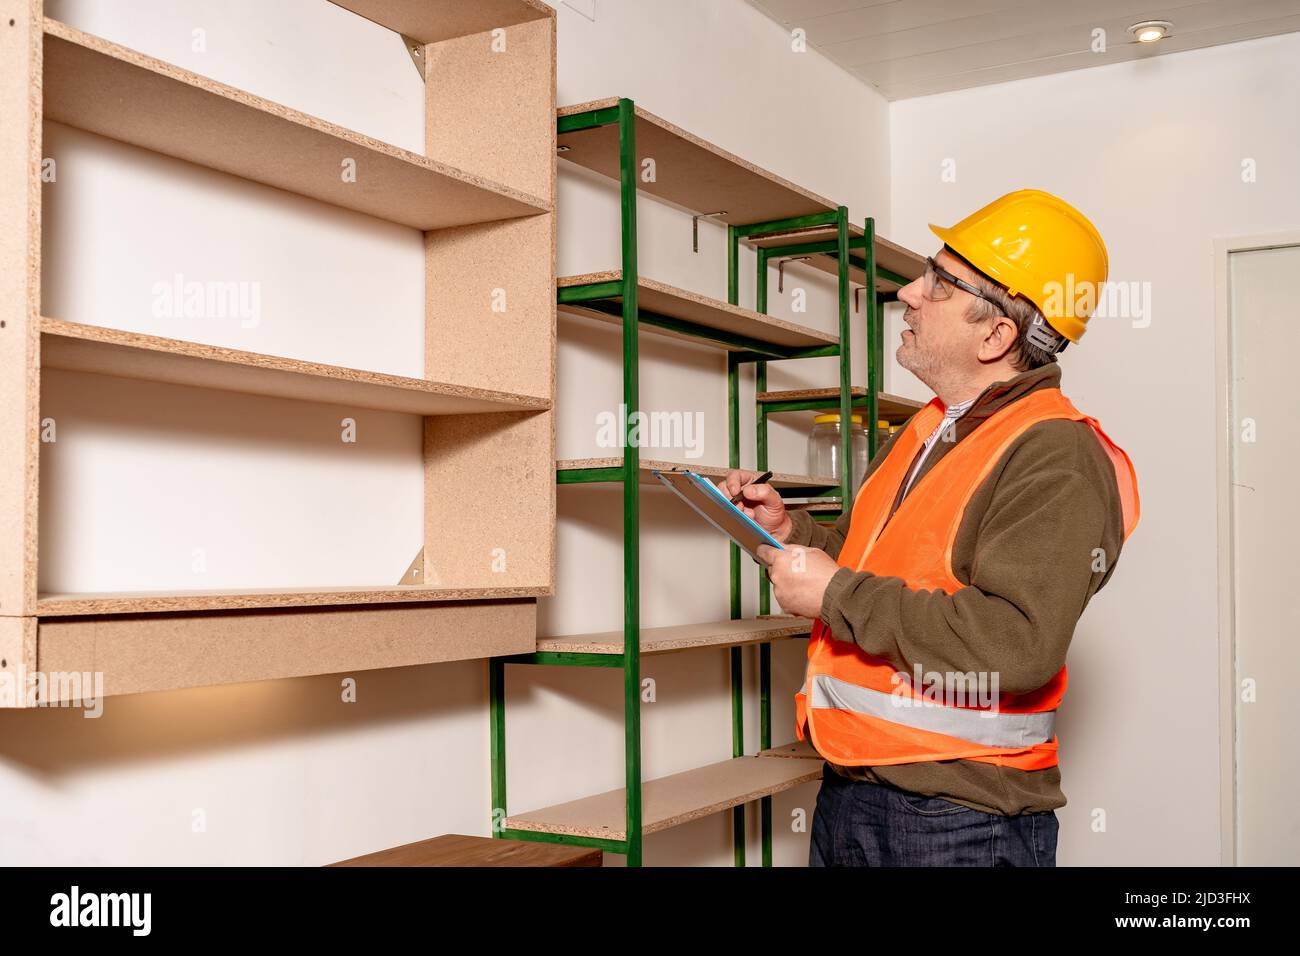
(1152, 151)
(283, 772)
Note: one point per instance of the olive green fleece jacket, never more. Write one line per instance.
(1027, 546)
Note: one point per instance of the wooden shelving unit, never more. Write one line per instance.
(482, 194)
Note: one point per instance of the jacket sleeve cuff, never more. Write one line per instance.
(801, 528)
(834, 590)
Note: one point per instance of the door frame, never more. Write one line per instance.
(1224, 431)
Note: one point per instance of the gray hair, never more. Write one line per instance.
(1024, 354)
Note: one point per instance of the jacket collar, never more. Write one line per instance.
(1000, 394)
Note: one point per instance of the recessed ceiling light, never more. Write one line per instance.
(1149, 31)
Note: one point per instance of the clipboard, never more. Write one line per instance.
(712, 505)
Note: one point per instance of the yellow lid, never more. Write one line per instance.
(882, 423)
(835, 417)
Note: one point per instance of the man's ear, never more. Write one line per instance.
(998, 340)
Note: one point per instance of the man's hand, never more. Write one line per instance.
(760, 502)
(799, 577)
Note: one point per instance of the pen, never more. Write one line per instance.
(757, 481)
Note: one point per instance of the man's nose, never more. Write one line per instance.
(910, 294)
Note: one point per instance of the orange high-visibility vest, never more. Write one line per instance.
(859, 709)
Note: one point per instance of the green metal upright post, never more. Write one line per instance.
(846, 367)
(764, 586)
(875, 337)
(497, 731)
(733, 461)
(631, 483)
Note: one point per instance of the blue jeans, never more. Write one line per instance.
(857, 823)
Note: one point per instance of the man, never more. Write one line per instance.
(945, 600)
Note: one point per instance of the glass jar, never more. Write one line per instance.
(824, 448)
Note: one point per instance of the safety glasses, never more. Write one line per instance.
(938, 284)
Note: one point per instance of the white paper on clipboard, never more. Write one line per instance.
(712, 505)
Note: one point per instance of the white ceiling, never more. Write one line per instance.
(913, 47)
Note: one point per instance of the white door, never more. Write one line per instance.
(1264, 346)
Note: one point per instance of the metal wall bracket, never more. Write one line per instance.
(695, 227)
(780, 270)
(416, 50)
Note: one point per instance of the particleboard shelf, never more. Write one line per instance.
(158, 652)
(800, 750)
(780, 479)
(457, 849)
(889, 255)
(673, 800)
(682, 637)
(431, 21)
(88, 348)
(892, 408)
(130, 602)
(107, 89)
(824, 504)
(735, 323)
(702, 178)
(689, 171)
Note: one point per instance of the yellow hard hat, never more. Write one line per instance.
(1038, 246)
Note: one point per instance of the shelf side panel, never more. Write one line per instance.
(17, 660)
(490, 105)
(490, 306)
(20, 184)
(489, 500)
(139, 654)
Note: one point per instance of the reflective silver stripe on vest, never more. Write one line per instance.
(987, 728)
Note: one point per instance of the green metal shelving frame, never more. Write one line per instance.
(597, 295)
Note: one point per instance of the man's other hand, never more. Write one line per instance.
(760, 502)
(799, 577)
